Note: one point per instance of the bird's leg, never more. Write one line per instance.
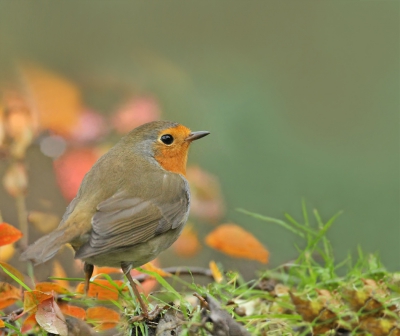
(126, 268)
(88, 269)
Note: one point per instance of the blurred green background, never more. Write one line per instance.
(301, 98)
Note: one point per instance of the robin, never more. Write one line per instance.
(131, 205)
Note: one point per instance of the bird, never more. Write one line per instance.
(131, 205)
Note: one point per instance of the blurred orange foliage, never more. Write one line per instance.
(237, 242)
(9, 234)
(102, 289)
(55, 99)
(188, 244)
(105, 318)
(8, 294)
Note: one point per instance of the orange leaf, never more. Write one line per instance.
(59, 272)
(8, 234)
(237, 242)
(74, 311)
(50, 287)
(29, 324)
(13, 270)
(216, 273)
(102, 289)
(187, 244)
(8, 294)
(50, 317)
(106, 317)
(2, 325)
(33, 298)
(56, 99)
(106, 270)
(150, 267)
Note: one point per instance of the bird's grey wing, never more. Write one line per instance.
(124, 221)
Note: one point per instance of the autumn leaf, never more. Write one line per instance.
(106, 270)
(236, 242)
(56, 99)
(33, 298)
(9, 234)
(74, 311)
(308, 309)
(102, 289)
(2, 325)
(47, 287)
(105, 318)
(28, 324)
(188, 244)
(12, 270)
(44, 222)
(216, 273)
(50, 317)
(6, 252)
(8, 294)
(152, 268)
(59, 272)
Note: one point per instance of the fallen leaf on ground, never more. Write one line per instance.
(50, 287)
(216, 273)
(71, 310)
(33, 298)
(28, 324)
(50, 317)
(102, 289)
(103, 317)
(8, 294)
(237, 242)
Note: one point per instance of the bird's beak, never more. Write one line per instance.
(196, 135)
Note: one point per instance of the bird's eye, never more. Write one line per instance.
(167, 139)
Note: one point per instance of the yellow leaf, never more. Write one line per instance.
(216, 273)
(33, 298)
(6, 252)
(44, 222)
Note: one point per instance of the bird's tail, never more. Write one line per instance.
(47, 247)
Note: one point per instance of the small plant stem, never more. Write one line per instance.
(23, 220)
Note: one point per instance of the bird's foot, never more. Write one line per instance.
(148, 316)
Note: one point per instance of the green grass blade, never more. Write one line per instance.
(272, 220)
(15, 278)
